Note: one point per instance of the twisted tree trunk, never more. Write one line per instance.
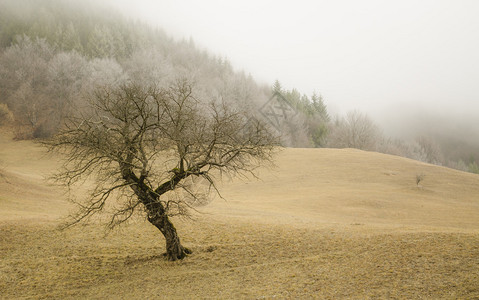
(157, 216)
(174, 249)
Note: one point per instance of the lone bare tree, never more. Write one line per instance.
(142, 145)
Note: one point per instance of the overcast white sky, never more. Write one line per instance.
(377, 56)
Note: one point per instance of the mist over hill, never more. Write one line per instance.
(456, 134)
(54, 55)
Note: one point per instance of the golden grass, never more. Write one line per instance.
(324, 224)
(237, 260)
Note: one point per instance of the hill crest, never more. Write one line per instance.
(337, 186)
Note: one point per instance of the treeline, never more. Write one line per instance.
(91, 30)
(54, 54)
(358, 130)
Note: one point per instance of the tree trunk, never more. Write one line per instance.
(157, 215)
(174, 249)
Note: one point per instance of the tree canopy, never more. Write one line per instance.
(152, 147)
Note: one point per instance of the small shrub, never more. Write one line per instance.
(419, 178)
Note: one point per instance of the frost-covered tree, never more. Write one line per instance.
(356, 130)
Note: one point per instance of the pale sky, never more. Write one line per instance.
(380, 57)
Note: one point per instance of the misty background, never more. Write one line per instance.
(413, 66)
(400, 75)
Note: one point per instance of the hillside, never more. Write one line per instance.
(24, 192)
(349, 186)
(324, 223)
(340, 186)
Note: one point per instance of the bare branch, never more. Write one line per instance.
(138, 145)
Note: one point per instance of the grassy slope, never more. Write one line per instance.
(23, 190)
(355, 187)
(323, 223)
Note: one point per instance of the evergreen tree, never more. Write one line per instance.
(320, 107)
(277, 86)
(101, 42)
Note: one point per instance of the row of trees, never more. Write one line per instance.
(41, 86)
(92, 30)
(358, 130)
(54, 54)
(309, 127)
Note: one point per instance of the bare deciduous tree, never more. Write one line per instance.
(357, 130)
(141, 145)
(428, 151)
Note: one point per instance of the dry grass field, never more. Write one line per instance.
(327, 224)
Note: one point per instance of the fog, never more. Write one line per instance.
(401, 62)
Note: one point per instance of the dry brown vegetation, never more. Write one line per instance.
(323, 224)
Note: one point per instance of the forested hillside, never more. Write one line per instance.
(55, 54)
